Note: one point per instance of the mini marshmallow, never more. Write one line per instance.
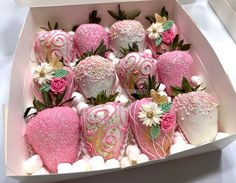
(78, 98)
(179, 140)
(33, 164)
(125, 162)
(132, 152)
(176, 148)
(112, 163)
(111, 56)
(64, 168)
(41, 171)
(81, 107)
(81, 166)
(97, 163)
(221, 135)
(71, 33)
(162, 93)
(122, 99)
(142, 158)
(148, 51)
(169, 99)
(197, 80)
(161, 88)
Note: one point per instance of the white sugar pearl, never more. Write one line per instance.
(81, 107)
(142, 158)
(64, 168)
(162, 87)
(78, 98)
(80, 166)
(122, 99)
(41, 171)
(221, 135)
(111, 56)
(97, 163)
(133, 152)
(197, 80)
(148, 51)
(112, 163)
(33, 164)
(125, 162)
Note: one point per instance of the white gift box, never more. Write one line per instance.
(71, 12)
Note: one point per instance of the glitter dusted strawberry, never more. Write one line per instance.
(104, 129)
(58, 42)
(54, 135)
(95, 74)
(135, 67)
(172, 67)
(197, 116)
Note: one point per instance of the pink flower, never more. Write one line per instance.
(58, 85)
(168, 36)
(167, 122)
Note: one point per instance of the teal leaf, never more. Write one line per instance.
(166, 107)
(45, 88)
(155, 131)
(167, 26)
(158, 41)
(47, 98)
(60, 73)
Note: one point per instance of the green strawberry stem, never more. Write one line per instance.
(102, 98)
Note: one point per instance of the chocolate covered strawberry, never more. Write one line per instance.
(197, 116)
(54, 42)
(104, 126)
(95, 74)
(126, 31)
(89, 36)
(54, 135)
(135, 68)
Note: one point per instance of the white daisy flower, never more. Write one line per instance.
(150, 114)
(43, 73)
(155, 30)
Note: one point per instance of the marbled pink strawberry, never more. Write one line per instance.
(54, 135)
(154, 149)
(58, 42)
(173, 66)
(104, 129)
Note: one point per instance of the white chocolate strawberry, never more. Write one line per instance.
(95, 74)
(197, 116)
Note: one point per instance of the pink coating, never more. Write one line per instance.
(70, 86)
(173, 66)
(95, 74)
(168, 36)
(88, 37)
(55, 42)
(135, 67)
(104, 130)
(154, 149)
(54, 135)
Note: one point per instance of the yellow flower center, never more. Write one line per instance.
(42, 74)
(150, 114)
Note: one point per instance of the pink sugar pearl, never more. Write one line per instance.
(88, 37)
(173, 66)
(54, 135)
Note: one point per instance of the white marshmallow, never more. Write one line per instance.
(71, 33)
(163, 93)
(197, 80)
(132, 152)
(169, 99)
(142, 158)
(81, 107)
(122, 99)
(64, 168)
(162, 87)
(78, 98)
(97, 163)
(111, 56)
(80, 166)
(148, 51)
(176, 148)
(41, 171)
(179, 140)
(33, 164)
(221, 135)
(112, 163)
(125, 162)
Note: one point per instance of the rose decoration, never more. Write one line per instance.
(169, 35)
(167, 122)
(58, 85)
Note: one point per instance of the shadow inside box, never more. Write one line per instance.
(180, 170)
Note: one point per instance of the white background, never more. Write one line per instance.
(216, 167)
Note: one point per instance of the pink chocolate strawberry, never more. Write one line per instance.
(54, 135)
(136, 68)
(95, 74)
(104, 126)
(172, 67)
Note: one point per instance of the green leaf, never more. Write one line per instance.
(68, 101)
(60, 73)
(101, 49)
(113, 14)
(180, 43)
(158, 41)
(130, 49)
(49, 26)
(56, 26)
(59, 97)
(74, 28)
(133, 15)
(164, 13)
(167, 25)
(185, 47)
(166, 107)
(47, 98)
(151, 19)
(155, 131)
(39, 106)
(45, 88)
(102, 98)
(93, 17)
(186, 85)
(176, 88)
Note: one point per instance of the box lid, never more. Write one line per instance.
(232, 3)
(41, 3)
